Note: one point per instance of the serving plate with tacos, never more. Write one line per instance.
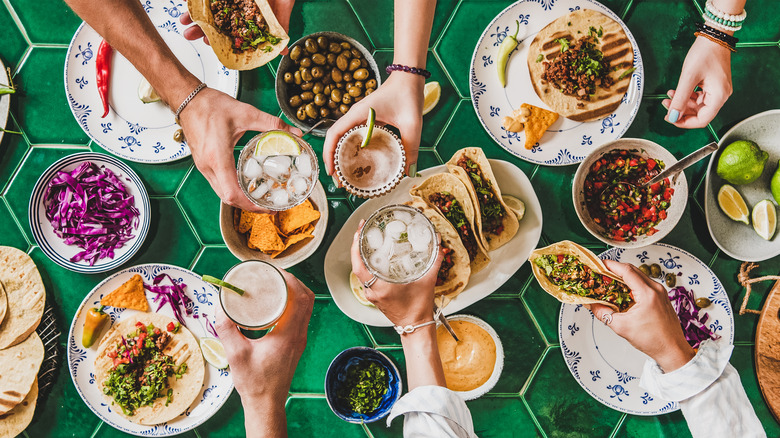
(483, 252)
(193, 391)
(606, 365)
(568, 125)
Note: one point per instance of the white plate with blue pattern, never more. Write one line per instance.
(566, 142)
(55, 248)
(133, 130)
(5, 100)
(606, 365)
(217, 384)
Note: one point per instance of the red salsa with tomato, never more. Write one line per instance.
(616, 201)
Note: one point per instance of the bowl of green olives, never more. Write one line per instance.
(322, 76)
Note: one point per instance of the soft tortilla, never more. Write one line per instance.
(200, 12)
(15, 421)
(615, 45)
(460, 271)
(183, 347)
(19, 367)
(586, 256)
(3, 303)
(445, 182)
(25, 293)
(511, 225)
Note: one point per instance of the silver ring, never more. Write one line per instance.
(370, 282)
(607, 318)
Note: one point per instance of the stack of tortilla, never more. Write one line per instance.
(22, 298)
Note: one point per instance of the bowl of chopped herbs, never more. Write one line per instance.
(362, 385)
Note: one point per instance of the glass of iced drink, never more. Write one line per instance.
(373, 170)
(277, 170)
(398, 243)
(264, 299)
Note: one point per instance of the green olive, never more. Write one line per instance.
(359, 98)
(323, 42)
(342, 62)
(333, 105)
(671, 280)
(327, 89)
(369, 91)
(301, 113)
(317, 72)
(371, 83)
(331, 59)
(305, 62)
(355, 91)
(346, 54)
(311, 110)
(346, 46)
(363, 63)
(306, 86)
(318, 88)
(702, 302)
(288, 78)
(320, 99)
(324, 112)
(336, 95)
(334, 48)
(295, 101)
(655, 270)
(356, 53)
(360, 74)
(347, 99)
(327, 79)
(178, 136)
(347, 76)
(645, 269)
(340, 85)
(307, 96)
(306, 74)
(297, 77)
(358, 84)
(343, 108)
(336, 75)
(319, 59)
(311, 45)
(354, 64)
(350, 85)
(295, 53)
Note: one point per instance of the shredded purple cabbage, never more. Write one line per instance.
(91, 208)
(693, 326)
(173, 295)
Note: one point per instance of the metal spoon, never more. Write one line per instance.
(314, 126)
(693, 158)
(445, 323)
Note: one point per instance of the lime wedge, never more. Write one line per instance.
(764, 217)
(732, 204)
(217, 282)
(370, 122)
(214, 352)
(516, 205)
(278, 143)
(432, 94)
(357, 290)
(146, 93)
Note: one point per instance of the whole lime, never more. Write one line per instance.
(741, 162)
(775, 184)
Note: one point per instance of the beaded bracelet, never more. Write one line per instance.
(724, 22)
(717, 13)
(715, 33)
(404, 68)
(715, 40)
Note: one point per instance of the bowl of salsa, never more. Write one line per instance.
(613, 203)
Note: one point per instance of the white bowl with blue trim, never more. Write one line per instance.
(55, 248)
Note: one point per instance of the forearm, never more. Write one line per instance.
(265, 418)
(413, 22)
(423, 363)
(126, 27)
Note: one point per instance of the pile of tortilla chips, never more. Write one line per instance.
(274, 234)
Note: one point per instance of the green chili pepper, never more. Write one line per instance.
(8, 89)
(504, 49)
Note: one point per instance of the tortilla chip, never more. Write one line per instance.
(247, 219)
(264, 236)
(130, 295)
(536, 124)
(292, 240)
(237, 218)
(296, 217)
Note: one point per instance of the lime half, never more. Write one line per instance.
(431, 96)
(370, 131)
(732, 204)
(217, 282)
(764, 217)
(214, 352)
(278, 143)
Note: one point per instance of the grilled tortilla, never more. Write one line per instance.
(15, 421)
(25, 294)
(183, 347)
(19, 367)
(613, 43)
(222, 44)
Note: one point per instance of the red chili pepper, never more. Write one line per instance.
(170, 327)
(103, 63)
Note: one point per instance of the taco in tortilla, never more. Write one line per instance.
(150, 367)
(454, 271)
(575, 275)
(450, 197)
(495, 223)
(244, 34)
(580, 65)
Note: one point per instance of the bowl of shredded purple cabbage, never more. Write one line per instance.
(89, 212)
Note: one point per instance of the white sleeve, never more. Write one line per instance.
(710, 394)
(433, 411)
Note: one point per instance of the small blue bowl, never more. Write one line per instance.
(336, 376)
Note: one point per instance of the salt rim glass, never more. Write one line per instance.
(275, 319)
(431, 257)
(248, 151)
(376, 192)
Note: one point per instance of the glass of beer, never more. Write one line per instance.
(265, 295)
(373, 170)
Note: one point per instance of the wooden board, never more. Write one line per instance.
(768, 351)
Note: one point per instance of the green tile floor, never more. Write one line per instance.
(536, 395)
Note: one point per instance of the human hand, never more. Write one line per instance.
(708, 66)
(262, 369)
(397, 102)
(651, 325)
(282, 10)
(402, 304)
(213, 122)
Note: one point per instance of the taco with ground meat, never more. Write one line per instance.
(244, 34)
(495, 223)
(574, 275)
(446, 194)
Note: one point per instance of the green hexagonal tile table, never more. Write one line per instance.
(536, 395)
